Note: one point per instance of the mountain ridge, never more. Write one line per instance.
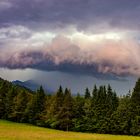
(31, 84)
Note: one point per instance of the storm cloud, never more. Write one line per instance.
(100, 38)
(99, 59)
(84, 14)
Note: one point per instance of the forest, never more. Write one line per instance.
(98, 111)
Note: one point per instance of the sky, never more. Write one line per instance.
(75, 43)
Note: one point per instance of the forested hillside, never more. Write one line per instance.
(98, 111)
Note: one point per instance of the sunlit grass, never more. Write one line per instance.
(16, 131)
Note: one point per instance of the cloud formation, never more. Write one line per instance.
(111, 57)
(92, 37)
(83, 14)
(5, 4)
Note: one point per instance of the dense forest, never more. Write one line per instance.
(98, 111)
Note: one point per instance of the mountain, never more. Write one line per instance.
(28, 84)
(32, 85)
(8, 85)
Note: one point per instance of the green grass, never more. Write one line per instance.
(16, 131)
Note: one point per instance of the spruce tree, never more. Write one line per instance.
(20, 106)
(10, 104)
(135, 109)
(94, 92)
(87, 94)
(78, 112)
(135, 98)
(2, 103)
(66, 112)
(54, 111)
(36, 106)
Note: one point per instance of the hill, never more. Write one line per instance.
(8, 85)
(32, 85)
(17, 131)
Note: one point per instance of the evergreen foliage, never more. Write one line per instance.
(100, 112)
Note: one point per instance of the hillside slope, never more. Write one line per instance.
(16, 131)
(32, 85)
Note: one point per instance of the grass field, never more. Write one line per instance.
(16, 131)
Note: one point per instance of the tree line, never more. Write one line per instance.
(98, 111)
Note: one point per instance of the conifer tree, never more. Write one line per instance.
(55, 109)
(20, 106)
(87, 94)
(10, 103)
(36, 106)
(135, 98)
(78, 112)
(135, 109)
(66, 112)
(2, 103)
(94, 92)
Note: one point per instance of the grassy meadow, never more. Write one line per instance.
(16, 131)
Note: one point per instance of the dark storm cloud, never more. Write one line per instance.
(81, 13)
(25, 23)
(37, 60)
(105, 60)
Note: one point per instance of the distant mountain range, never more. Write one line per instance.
(32, 85)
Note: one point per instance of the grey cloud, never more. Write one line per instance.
(110, 60)
(14, 32)
(5, 4)
(80, 13)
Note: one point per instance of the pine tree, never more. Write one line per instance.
(20, 106)
(66, 112)
(135, 99)
(10, 104)
(87, 94)
(109, 100)
(78, 106)
(36, 106)
(2, 103)
(58, 102)
(135, 109)
(87, 117)
(78, 112)
(95, 92)
(120, 120)
(54, 111)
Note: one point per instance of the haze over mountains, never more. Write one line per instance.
(32, 85)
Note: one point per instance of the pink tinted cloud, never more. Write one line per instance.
(119, 57)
